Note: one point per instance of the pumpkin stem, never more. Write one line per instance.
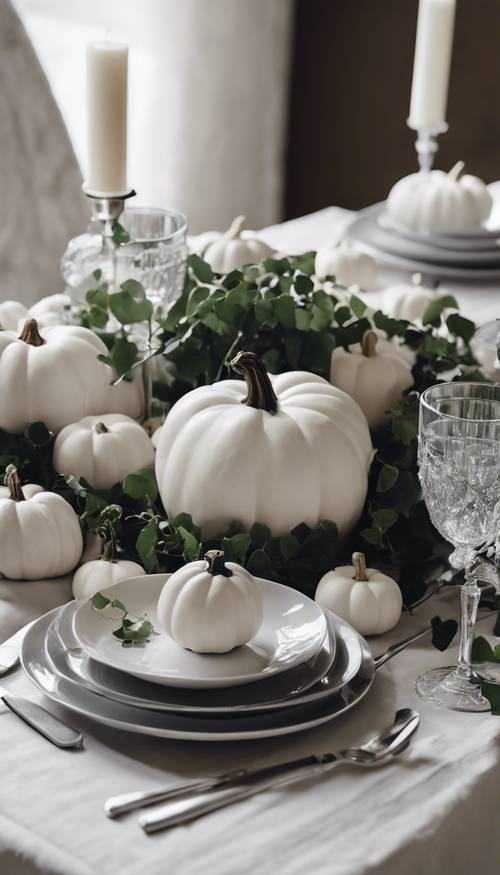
(216, 565)
(109, 552)
(100, 428)
(13, 483)
(417, 280)
(369, 343)
(235, 228)
(456, 171)
(260, 392)
(359, 565)
(30, 333)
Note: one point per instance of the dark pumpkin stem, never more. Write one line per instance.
(13, 483)
(30, 333)
(216, 564)
(109, 552)
(100, 428)
(260, 392)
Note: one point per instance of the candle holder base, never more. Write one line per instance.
(426, 144)
(107, 207)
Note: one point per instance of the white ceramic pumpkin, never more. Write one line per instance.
(439, 202)
(278, 451)
(29, 490)
(210, 606)
(348, 264)
(96, 575)
(232, 250)
(375, 379)
(52, 310)
(11, 314)
(369, 600)
(103, 449)
(54, 375)
(405, 301)
(40, 536)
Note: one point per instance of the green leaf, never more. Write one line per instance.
(99, 601)
(146, 545)
(272, 361)
(123, 355)
(197, 297)
(404, 430)
(443, 632)
(130, 304)
(190, 545)
(120, 235)
(482, 651)
(384, 519)
(358, 306)
(303, 319)
(38, 434)
(303, 284)
(141, 484)
(460, 327)
(260, 565)
(236, 548)
(284, 310)
(492, 693)
(433, 311)
(289, 546)
(264, 312)
(387, 477)
(259, 534)
(200, 268)
(186, 521)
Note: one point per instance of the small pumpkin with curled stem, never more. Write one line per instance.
(230, 250)
(211, 606)
(366, 598)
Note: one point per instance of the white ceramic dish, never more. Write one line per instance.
(484, 238)
(292, 631)
(69, 661)
(181, 727)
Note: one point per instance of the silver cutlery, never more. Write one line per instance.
(380, 749)
(118, 805)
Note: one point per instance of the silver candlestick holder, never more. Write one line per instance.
(426, 144)
(107, 207)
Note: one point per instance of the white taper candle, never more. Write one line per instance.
(431, 68)
(107, 65)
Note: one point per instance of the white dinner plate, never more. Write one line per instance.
(71, 662)
(292, 631)
(482, 238)
(167, 725)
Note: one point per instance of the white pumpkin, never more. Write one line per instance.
(375, 379)
(348, 264)
(232, 251)
(103, 449)
(211, 606)
(96, 575)
(52, 310)
(29, 490)
(405, 301)
(39, 536)
(54, 375)
(364, 597)
(278, 451)
(436, 201)
(11, 314)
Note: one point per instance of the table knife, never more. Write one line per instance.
(51, 727)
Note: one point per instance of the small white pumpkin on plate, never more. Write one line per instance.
(96, 575)
(409, 301)
(348, 264)
(103, 449)
(40, 536)
(364, 597)
(440, 202)
(274, 450)
(231, 250)
(211, 606)
(375, 379)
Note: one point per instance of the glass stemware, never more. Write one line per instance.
(459, 460)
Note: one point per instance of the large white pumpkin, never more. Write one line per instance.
(366, 598)
(276, 450)
(375, 379)
(54, 375)
(11, 314)
(211, 606)
(405, 301)
(39, 536)
(231, 250)
(439, 202)
(96, 575)
(348, 264)
(103, 449)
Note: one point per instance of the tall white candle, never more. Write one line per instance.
(107, 65)
(431, 68)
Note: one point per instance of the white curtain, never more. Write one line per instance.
(208, 86)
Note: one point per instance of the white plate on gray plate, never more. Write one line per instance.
(167, 725)
(292, 631)
(287, 689)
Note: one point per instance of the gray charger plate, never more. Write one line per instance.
(69, 661)
(167, 725)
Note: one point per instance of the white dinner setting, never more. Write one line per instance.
(249, 439)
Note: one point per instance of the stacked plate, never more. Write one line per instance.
(303, 668)
(464, 256)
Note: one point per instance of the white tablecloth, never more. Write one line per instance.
(434, 810)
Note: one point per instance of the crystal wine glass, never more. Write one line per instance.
(459, 459)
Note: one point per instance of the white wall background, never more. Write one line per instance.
(208, 91)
